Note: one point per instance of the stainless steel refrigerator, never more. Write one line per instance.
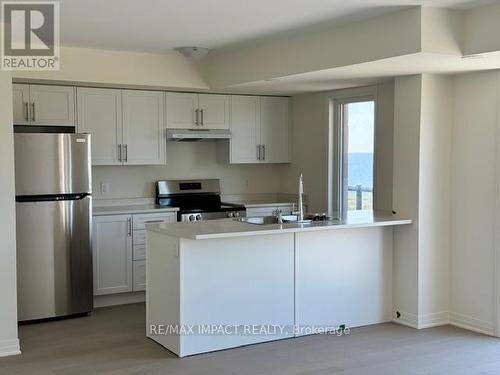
(53, 216)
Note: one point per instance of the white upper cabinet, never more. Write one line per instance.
(259, 130)
(100, 114)
(52, 105)
(245, 129)
(197, 111)
(274, 129)
(44, 105)
(213, 111)
(143, 127)
(181, 110)
(127, 126)
(21, 103)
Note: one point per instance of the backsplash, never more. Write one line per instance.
(185, 161)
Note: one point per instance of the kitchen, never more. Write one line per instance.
(190, 153)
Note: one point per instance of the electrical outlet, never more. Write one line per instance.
(104, 188)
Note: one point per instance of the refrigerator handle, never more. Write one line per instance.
(26, 111)
(120, 152)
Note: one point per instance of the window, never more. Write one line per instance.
(355, 126)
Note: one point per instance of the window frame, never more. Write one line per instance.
(337, 158)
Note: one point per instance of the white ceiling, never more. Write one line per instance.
(160, 25)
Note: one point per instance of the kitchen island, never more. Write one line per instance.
(220, 284)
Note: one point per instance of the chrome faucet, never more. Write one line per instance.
(300, 202)
(279, 215)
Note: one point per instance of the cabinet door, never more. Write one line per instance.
(112, 249)
(245, 126)
(52, 105)
(274, 129)
(100, 114)
(20, 96)
(181, 110)
(214, 111)
(143, 127)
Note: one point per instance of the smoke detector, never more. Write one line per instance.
(193, 52)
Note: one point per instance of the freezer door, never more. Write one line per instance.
(52, 163)
(54, 258)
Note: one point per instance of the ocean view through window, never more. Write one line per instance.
(358, 122)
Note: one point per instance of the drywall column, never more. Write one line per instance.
(423, 116)
(434, 199)
(9, 343)
(407, 106)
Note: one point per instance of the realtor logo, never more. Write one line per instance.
(30, 35)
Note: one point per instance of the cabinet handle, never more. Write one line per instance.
(33, 111)
(201, 110)
(258, 152)
(120, 152)
(126, 153)
(263, 152)
(129, 220)
(196, 111)
(26, 111)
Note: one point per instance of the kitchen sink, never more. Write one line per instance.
(265, 220)
(259, 220)
(288, 219)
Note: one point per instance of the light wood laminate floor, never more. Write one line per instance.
(112, 342)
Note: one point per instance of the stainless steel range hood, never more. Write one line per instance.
(193, 135)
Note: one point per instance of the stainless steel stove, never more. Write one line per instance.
(197, 199)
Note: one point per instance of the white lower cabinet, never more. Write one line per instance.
(112, 250)
(119, 248)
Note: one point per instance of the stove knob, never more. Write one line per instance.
(198, 217)
(192, 218)
(236, 214)
(230, 214)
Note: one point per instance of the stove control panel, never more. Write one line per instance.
(212, 215)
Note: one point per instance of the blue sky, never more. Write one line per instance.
(361, 118)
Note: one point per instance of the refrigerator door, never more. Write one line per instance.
(54, 258)
(52, 163)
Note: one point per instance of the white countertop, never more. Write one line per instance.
(231, 228)
(131, 209)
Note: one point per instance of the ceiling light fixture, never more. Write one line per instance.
(193, 52)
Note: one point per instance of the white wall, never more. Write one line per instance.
(186, 160)
(9, 343)
(473, 187)
(310, 125)
(170, 70)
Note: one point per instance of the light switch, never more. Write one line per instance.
(105, 188)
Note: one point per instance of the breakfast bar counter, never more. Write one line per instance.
(220, 284)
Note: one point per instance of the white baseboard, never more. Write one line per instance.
(444, 318)
(433, 320)
(406, 319)
(9, 347)
(472, 324)
(119, 299)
